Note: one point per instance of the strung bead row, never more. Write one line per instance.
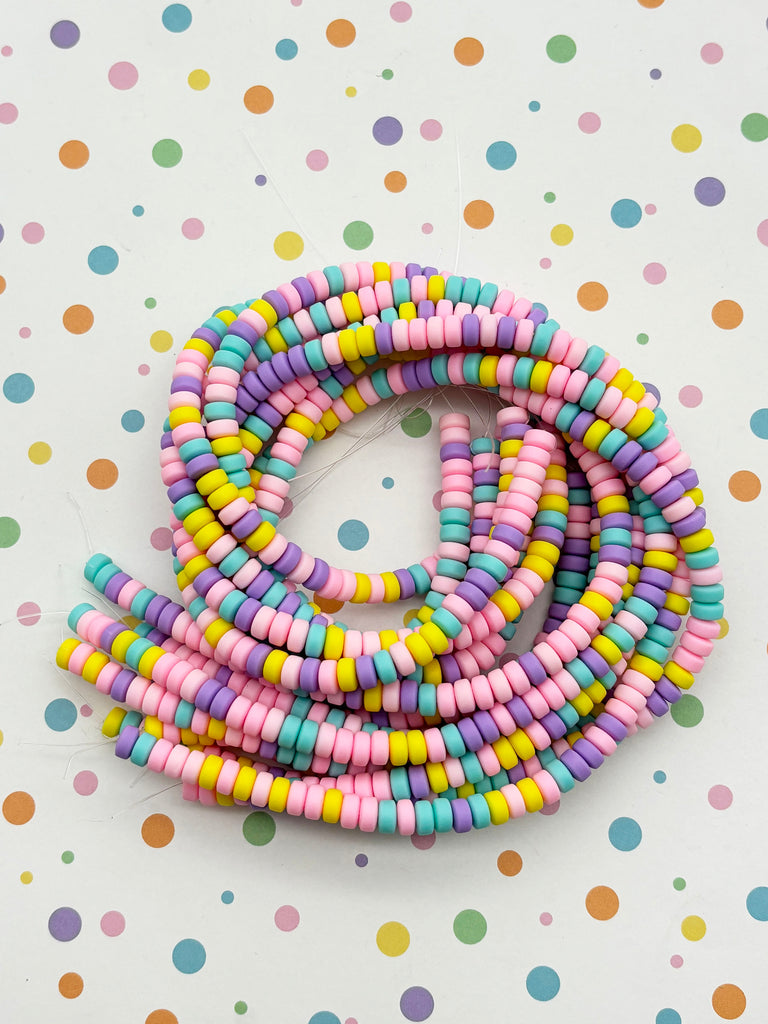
(432, 726)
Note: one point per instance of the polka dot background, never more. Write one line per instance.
(610, 168)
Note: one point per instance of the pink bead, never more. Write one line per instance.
(369, 814)
(406, 818)
(549, 788)
(350, 811)
(514, 799)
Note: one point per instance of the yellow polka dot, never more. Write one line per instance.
(160, 341)
(25, 877)
(411, 613)
(393, 938)
(686, 138)
(693, 928)
(198, 79)
(288, 245)
(724, 628)
(561, 234)
(39, 453)
(350, 91)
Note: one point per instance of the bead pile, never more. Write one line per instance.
(251, 695)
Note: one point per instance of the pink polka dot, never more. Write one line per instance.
(654, 273)
(24, 332)
(85, 783)
(317, 159)
(762, 232)
(287, 508)
(431, 130)
(711, 53)
(8, 113)
(720, 797)
(400, 12)
(545, 918)
(427, 229)
(161, 538)
(545, 263)
(7, 51)
(86, 710)
(192, 228)
(28, 613)
(550, 808)
(436, 500)
(112, 923)
(123, 75)
(295, 3)
(690, 396)
(423, 842)
(676, 960)
(287, 918)
(33, 232)
(650, 208)
(143, 369)
(589, 123)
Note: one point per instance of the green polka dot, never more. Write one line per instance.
(561, 49)
(166, 153)
(387, 74)
(470, 927)
(755, 127)
(10, 531)
(259, 828)
(642, 339)
(678, 884)
(67, 857)
(417, 423)
(150, 303)
(241, 1007)
(688, 711)
(358, 235)
(549, 197)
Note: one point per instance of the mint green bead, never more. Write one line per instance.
(453, 740)
(451, 567)
(508, 631)
(455, 515)
(704, 559)
(473, 770)
(77, 613)
(452, 533)
(289, 732)
(501, 779)
(275, 595)
(471, 291)
(104, 575)
(453, 289)
(566, 595)
(593, 360)
(262, 351)
(521, 375)
(657, 524)
(387, 817)
(229, 360)
(650, 649)
(661, 635)
(176, 566)
(191, 449)
(301, 707)
(336, 717)
(385, 667)
(140, 603)
(654, 435)
(142, 748)
(420, 578)
(471, 368)
(484, 785)
(592, 394)
(490, 564)
(612, 443)
(320, 318)
(623, 640)
(447, 621)
(232, 463)
(644, 610)
(336, 769)
(381, 384)
(483, 446)
(289, 332)
(182, 718)
(707, 612)
(217, 326)
(197, 607)
(401, 291)
(94, 564)
(427, 699)
(555, 520)
(441, 810)
(388, 315)
(313, 350)
(134, 653)
(608, 679)
(433, 600)
(568, 715)
(257, 426)
(301, 762)
(488, 295)
(304, 611)
(143, 629)
(399, 784)
(425, 819)
(575, 580)
(580, 672)
(616, 535)
(306, 736)
(484, 493)
(566, 416)
(219, 411)
(450, 794)
(481, 812)
(579, 496)
(230, 605)
(335, 279)
(439, 369)
(285, 755)
(332, 387)
(279, 468)
(542, 337)
(710, 593)
(565, 781)
(270, 517)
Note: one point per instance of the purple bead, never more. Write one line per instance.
(549, 534)
(267, 750)
(240, 329)
(206, 693)
(115, 585)
(382, 334)
(486, 726)
(166, 440)
(425, 309)
(289, 559)
(253, 386)
(617, 521)
(409, 696)
(120, 686)
(109, 633)
(298, 360)
(517, 773)
(246, 524)
(269, 377)
(642, 465)
(532, 667)
(204, 581)
(589, 752)
(319, 575)
(519, 711)
(281, 364)
(595, 662)
(201, 465)
(655, 577)
(278, 303)
(449, 667)
(470, 330)
(657, 705)
(668, 690)
(305, 290)
(612, 725)
(430, 272)
(473, 595)
(484, 477)
(697, 520)
(244, 401)
(462, 815)
(514, 431)
(269, 414)
(168, 616)
(407, 586)
(576, 765)
(480, 527)
(455, 450)
(221, 703)
(581, 425)
(410, 379)
(344, 376)
(554, 725)
(689, 478)
(156, 637)
(366, 672)
(246, 613)
(668, 493)
(615, 553)
(260, 585)
(412, 270)
(309, 674)
(653, 595)
(290, 604)
(667, 619)
(509, 535)
(424, 374)
(205, 334)
(537, 316)
(223, 674)
(419, 783)
(186, 383)
(575, 478)
(181, 489)
(154, 608)
(637, 555)
(126, 741)
(482, 580)
(626, 455)
(505, 333)
(255, 662)
(354, 700)
(470, 734)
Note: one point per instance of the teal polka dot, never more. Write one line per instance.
(103, 259)
(324, 1017)
(60, 714)
(138, 211)
(353, 535)
(259, 828)
(18, 388)
(758, 423)
(132, 421)
(625, 834)
(668, 1016)
(387, 483)
(534, 105)
(416, 423)
(227, 896)
(757, 903)
(543, 983)
(286, 49)
(177, 18)
(188, 956)
(659, 777)
(501, 155)
(626, 213)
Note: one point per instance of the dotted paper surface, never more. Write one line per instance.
(607, 161)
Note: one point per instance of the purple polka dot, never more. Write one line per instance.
(423, 842)
(161, 538)
(64, 924)
(650, 208)
(112, 923)
(387, 131)
(654, 273)
(709, 191)
(317, 159)
(361, 860)
(260, 179)
(655, 74)
(65, 34)
(690, 396)
(652, 389)
(416, 1003)
(549, 809)
(676, 960)
(720, 797)
(430, 130)
(589, 123)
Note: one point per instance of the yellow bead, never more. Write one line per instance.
(436, 288)
(505, 753)
(664, 560)
(227, 316)
(353, 400)
(676, 604)
(635, 392)
(650, 668)
(196, 565)
(216, 631)
(65, 652)
(633, 573)
(221, 446)
(301, 424)
(540, 376)
(372, 698)
(381, 272)
(387, 637)
(189, 738)
(153, 726)
(147, 661)
(582, 704)
(217, 729)
(261, 536)
(531, 794)
(362, 588)
(436, 777)
(487, 372)
(250, 441)
(121, 643)
(278, 794)
(544, 549)
(613, 503)
(346, 675)
(207, 536)
(540, 566)
(433, 674)
(554, 503)
(225, 801)
(351, 306)
(332, 805)
(244, 783)
(198, 345)
(506, 604)
(498, 807)
(222, 496)
(595, 692)
(398, 748)
(334, 643)
(510, 449)
(596, 434)
(266, 311)
(417, 746)
(365, 340)
(697, 541)
(419, 649)
(695, 494)
(347, 345)
(606, 648)
(209, 482)
(600, 605)
(196, 520)
(522, 745)
(407, 311)
(113, 721)
(639, 423)
(435, 637)
(184, 414)
(622, 380)
(210, 771)
(273, 664)
(329, 420)
(679, 676)
(275, 340)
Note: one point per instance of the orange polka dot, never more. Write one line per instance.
(478, 213)
(509, 863)
(70, 985)
(468, 51)
(727, 314)
(157, 830)
(2, 285)
(729, 1002)
(327, 604)
(650, 3)
(102, 474)
(74, 154)
(602, 903)
(592, 295)
(258, 99)
(18, 808)
(161, 1017)
(340, 32)
(744, 485)
(77, 319)
(395, 181)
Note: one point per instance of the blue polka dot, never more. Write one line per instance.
(659, 777)
(227, 896)
(388, 483)
(626, 213)
(2, 232)
(625, 834)
(501, 155)
(60, 715)
(667, 1016)
(260, 179)
(353, 535)
(543, 983)
(758, 423)
(18, 388)
(177, 18)
(757, 903)
(103, 259)
(188, 956)
(541, 306)
(534, 105)
(132, 421)
(655, 74)
(286, 49)
(324, 1017)
(138, 211)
